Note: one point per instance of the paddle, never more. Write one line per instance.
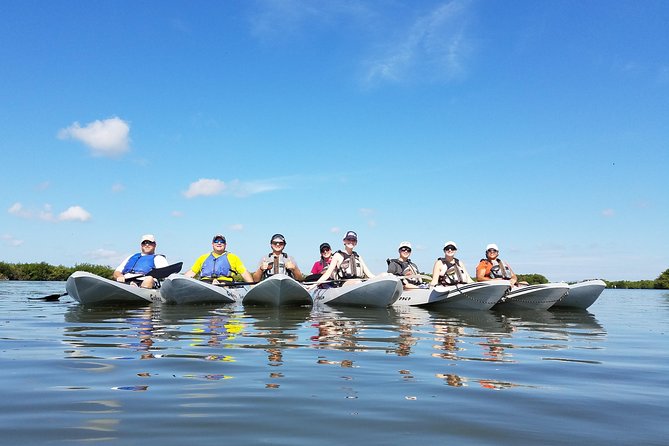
(156, 273)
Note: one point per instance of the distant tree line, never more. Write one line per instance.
(44, 271)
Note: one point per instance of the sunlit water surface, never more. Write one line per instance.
(174, 375)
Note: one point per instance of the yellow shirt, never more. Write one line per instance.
(236, 264)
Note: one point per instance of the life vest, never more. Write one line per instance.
(216, 267)
(325, 263)
(450, 273)
(407, 268)
(277, 265)
(499, 271)
(350, 267)
(139, 263)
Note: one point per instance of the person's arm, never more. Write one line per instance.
(317, 268)
(160, 261)
(435, 272)
(118, 272)
(334, 263)
(292, 267)
(514, 279)
(394, 268)
(465, 273)
(480, 272)
(197, 266)
(366, 270)
(257, 274)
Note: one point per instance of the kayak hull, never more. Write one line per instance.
(278, 290)
(381, 291)
(181, 290)
(582, 295)
(90, 289)
(470, 296)
(533, 297)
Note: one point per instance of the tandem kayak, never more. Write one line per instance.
(533, 297)
(90, 289)
(582, 294)
(381, 291)
(470, 296)
(179, 289)
(278, 290)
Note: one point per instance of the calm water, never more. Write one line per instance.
(202, 375)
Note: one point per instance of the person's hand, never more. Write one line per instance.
(120, 279)
(290, 265)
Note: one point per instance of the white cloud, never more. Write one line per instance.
(205, 187)
(44, 185)
(434, 47)
(109, 137)
(18, 210)
(237, 227)
(335, 229)
(209, 187)
(105, 256)
(74, 213)
(608, 213)
(11, 241)
(177, 214)
(117, 187)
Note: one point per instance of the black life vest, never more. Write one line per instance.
(406, 268)
(451, 273)
(350, 267)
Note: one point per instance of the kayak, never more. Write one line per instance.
(381, 291)
(582, 294)
(179, 289)
(533, 297)
(277, 290)
(470, 296)
(90, 289)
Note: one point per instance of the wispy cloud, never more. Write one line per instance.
(209, 187)
(237, 227)
(109, 137)
(10, 240)
(608, 213)
(177, 214)
(117, 187)
(369, 215)
(73, 213)
(434, 47)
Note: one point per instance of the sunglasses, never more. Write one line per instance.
(405, 249)
(351, 240)
(492, 250)
(450, 248)
(325, 250)
(278, 243)
(219, 240)
(147, 243)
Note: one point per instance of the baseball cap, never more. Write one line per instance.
(219, 236)
(404, 244)
(492, 246)
(148, 237)
(278, 238)
(450, 242)
(351, 235)
(323, 246)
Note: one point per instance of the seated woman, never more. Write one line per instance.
(492, 267)
(448, 270)
(403, 267)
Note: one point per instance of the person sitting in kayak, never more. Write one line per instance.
(493, 268)
(403, 266)
(219, 265)
(448, 270)
(277, 262)
(134, 267)
(326, 257)
(346, 265)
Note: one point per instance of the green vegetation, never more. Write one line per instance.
(532, 279)
(44, 271)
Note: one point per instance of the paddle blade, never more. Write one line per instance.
(161, 273)
(49, 298)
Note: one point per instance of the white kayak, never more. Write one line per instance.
(533, 297)
(582, 294)
(90, 289)
(179, 289)
(381, 291)
(470, 296)
(278, 290)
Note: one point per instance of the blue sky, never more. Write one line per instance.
(539, 126)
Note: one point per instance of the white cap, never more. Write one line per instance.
(492, 246)
(404, 244)
(148, 237)
(450, 242)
